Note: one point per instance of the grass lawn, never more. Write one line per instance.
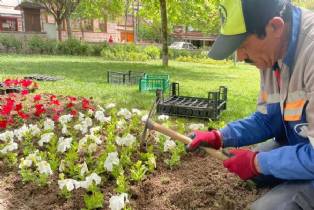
(86, 76)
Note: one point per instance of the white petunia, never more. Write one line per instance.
(70, 184)
(125, 141)
(125, 113)
(81, 116)
(9, 148)
(121, 124)
(64, 119)
(49, 124)
(7, 136)
(64, 144)
(34, 130)
(65, 130)
(34, 157)
(93, 178)
(25, 163)
(44, 168)
(169, 145)
(92, 147)
(117, 202)
(95, 130)
(21, 132)
(45, 138)
(110, 106)
(197, 126)
(100, 116)
(136, 111)
(84, 169)
(163, 117)
(111, 160)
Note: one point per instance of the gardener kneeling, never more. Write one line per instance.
(278, 38)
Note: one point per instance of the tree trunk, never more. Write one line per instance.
(82, 30)
(69, 28)
(164, 32)
(127, 4)
(59, 25)
(134, 24)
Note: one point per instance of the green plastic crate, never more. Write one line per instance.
(154, 82)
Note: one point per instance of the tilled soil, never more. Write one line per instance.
(199, 183)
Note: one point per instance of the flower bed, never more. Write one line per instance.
(79, 146)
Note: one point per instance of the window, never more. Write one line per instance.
(8, 24)
(75, 25)
(88, 25)
(103, 25)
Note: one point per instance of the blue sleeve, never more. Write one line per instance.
(254, 129)
(288, 162)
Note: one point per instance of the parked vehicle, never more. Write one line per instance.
(182, 46)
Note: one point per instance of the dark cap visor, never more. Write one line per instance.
(226, 45)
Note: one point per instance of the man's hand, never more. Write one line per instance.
(243, 163)
(206, 139)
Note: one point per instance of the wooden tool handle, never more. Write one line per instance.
(184, 139)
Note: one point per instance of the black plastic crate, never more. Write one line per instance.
(124, 78)
(193, 107)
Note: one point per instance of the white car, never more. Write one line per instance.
(182, 46)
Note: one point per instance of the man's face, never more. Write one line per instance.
(262, 52)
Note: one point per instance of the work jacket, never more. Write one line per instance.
(285, 108)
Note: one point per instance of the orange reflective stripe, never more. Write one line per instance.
(295, 104)
(264, 96)
(292, 117)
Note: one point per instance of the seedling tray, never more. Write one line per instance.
(154, 82)
(42, 77)
(124, 78)
(192, 107)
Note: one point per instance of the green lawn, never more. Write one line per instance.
(86, 76)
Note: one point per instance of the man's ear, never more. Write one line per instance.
(275, 26)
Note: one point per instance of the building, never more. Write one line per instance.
(22, 17)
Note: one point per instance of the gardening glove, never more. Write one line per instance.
(242, 163)
(206, 139)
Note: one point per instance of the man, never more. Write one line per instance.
(278, 38)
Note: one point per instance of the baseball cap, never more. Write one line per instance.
(239, 18)
(233, 29)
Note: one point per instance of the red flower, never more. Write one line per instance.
(3, 124)
(24, 92)
(52, 97)
(18, 107)
(23, 115)
(7, 108)
(55, 102)
(72, 99)
(39, 110)
(37, 97)
(69, 105)
(85, 104)
(7, 82)
(73, 112)
(55, 117)
(26, 82)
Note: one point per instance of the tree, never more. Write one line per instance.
(200, 14)
(309, 4)
(60, 9)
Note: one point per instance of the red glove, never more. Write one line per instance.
(242, 163)
(206, 139)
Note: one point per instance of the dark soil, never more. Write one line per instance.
(199, 183)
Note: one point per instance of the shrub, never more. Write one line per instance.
(36, 44)
(73, 47)
(153, 52)
(11, 43)
(107, 54)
